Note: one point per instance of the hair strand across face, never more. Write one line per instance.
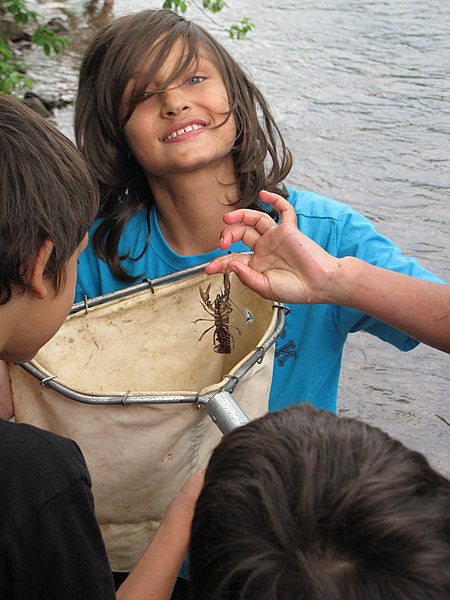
(133, 49)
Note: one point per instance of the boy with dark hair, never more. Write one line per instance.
(304, 505)
(50, 542)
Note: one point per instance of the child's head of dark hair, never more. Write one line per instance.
(46, 193)
(134, 47)
(302, 504)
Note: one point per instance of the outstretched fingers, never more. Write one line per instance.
(239, 232)
(255, 220)
(251, 226)
(281, 205)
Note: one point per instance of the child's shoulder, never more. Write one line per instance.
(37, 468)
(34, 452)
(311, 204)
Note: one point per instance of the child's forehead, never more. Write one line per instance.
(160, 67)
(181, 56)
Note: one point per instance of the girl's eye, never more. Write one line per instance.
(195, 79)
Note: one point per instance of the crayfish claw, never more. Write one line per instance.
(204, 294)
(226, 283)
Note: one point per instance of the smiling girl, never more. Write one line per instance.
(177, 136)
(169, 122)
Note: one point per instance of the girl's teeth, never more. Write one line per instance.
(185, 130)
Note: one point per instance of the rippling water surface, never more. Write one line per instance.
(362, 93)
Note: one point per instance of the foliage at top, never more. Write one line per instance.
(15, 17)
(235, 31)
(18, 22)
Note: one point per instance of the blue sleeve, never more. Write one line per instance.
(358, 237)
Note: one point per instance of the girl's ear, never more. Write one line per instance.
(35, 273)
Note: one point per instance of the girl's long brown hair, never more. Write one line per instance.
(261, 158)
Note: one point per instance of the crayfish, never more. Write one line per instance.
(220, 311)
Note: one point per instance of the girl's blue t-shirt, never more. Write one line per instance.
(308, 353)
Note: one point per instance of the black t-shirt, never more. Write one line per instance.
(50, 542)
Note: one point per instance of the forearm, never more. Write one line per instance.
(155, 574)
(419, 308)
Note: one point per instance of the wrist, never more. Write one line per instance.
(346, 279)
(177, 514)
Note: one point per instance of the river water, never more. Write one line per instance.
(362, 92)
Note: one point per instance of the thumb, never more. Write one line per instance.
(257, 282)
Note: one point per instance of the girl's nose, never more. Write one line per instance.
(174, 102)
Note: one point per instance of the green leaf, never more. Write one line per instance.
(19, 11)
(214, 6)
(240, 30)
(49, 40)
(11, 78)
(176, 5)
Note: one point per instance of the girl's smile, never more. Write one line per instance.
(181, 132)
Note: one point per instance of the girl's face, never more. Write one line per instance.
(186, 126)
